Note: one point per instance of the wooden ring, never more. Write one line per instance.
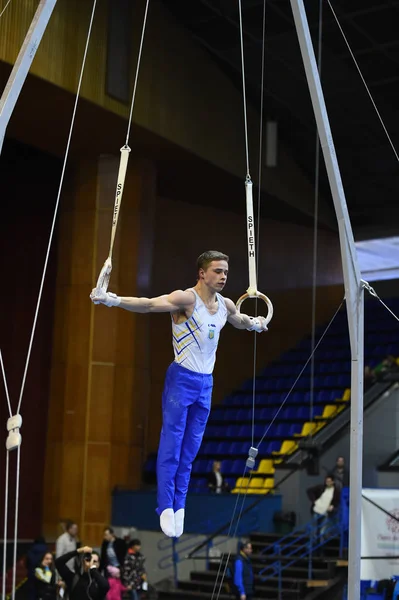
(261, 296)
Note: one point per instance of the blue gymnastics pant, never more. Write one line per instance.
(186, 403)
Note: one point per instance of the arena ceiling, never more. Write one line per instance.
(369, 169)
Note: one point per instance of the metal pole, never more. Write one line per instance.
(22, 65)
(353, 292)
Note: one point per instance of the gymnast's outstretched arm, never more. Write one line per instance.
(177, 300)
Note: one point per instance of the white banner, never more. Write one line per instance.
(380, 534)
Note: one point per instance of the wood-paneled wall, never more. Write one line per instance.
(99, 371)
(182, 96)
(27, 206)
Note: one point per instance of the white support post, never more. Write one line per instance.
(22, 65)
(353, 292)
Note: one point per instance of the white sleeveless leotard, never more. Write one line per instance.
(196, 340)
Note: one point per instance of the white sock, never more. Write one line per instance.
(167, 522)
(179, 522)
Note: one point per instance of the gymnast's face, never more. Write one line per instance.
(215, 276)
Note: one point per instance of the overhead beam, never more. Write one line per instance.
(22, 65)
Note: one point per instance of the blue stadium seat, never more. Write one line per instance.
(282, 429)
(289, 412)
(210, 448)
(297, 397)
(200, 466)
(226, 466)
(235, 448)
(244, 431)
(223, 448)
(266, 414)
(243, 414)
(344, 380)
(294, 429)
(303, 412)
(212, 431)
(272, 430)
(240, 448)
(269, 447)
(230, 414)
(322, 396)
(238, 467)
(232, 431)
(259, 431)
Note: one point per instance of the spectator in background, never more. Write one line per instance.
(388, 365)
(116, 587)
(134, 575)
(216, 481)
(340, 473)
(86, 583)
(68, 542)
(33, 558)
(46, 586)
(113, 551)
(371, 376)
(325, 499)
(243, 573)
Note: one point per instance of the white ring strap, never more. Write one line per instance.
(105, 274)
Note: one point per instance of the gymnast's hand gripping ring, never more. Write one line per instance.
(261, 296)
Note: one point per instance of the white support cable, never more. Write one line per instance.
(5, 8)
(228, 535)
(14, 566)
(3, 583)
(300, 374)
(3, 372)
(261, 136)
(244, 89)
(315, 224)
(364, 82)
(56, 206)
(234, 535)
(137, 74)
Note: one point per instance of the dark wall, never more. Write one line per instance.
(28, 190)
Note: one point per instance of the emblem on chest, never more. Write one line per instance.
(211, 331)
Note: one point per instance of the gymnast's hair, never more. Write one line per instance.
(205, 259)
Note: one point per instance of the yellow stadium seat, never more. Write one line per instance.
(256, 486)
(307, 429)
(287, 447)
(268, 483)
(241, 485)
(329, 411)
(256, 482)
(265, 467)
(347, 395)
